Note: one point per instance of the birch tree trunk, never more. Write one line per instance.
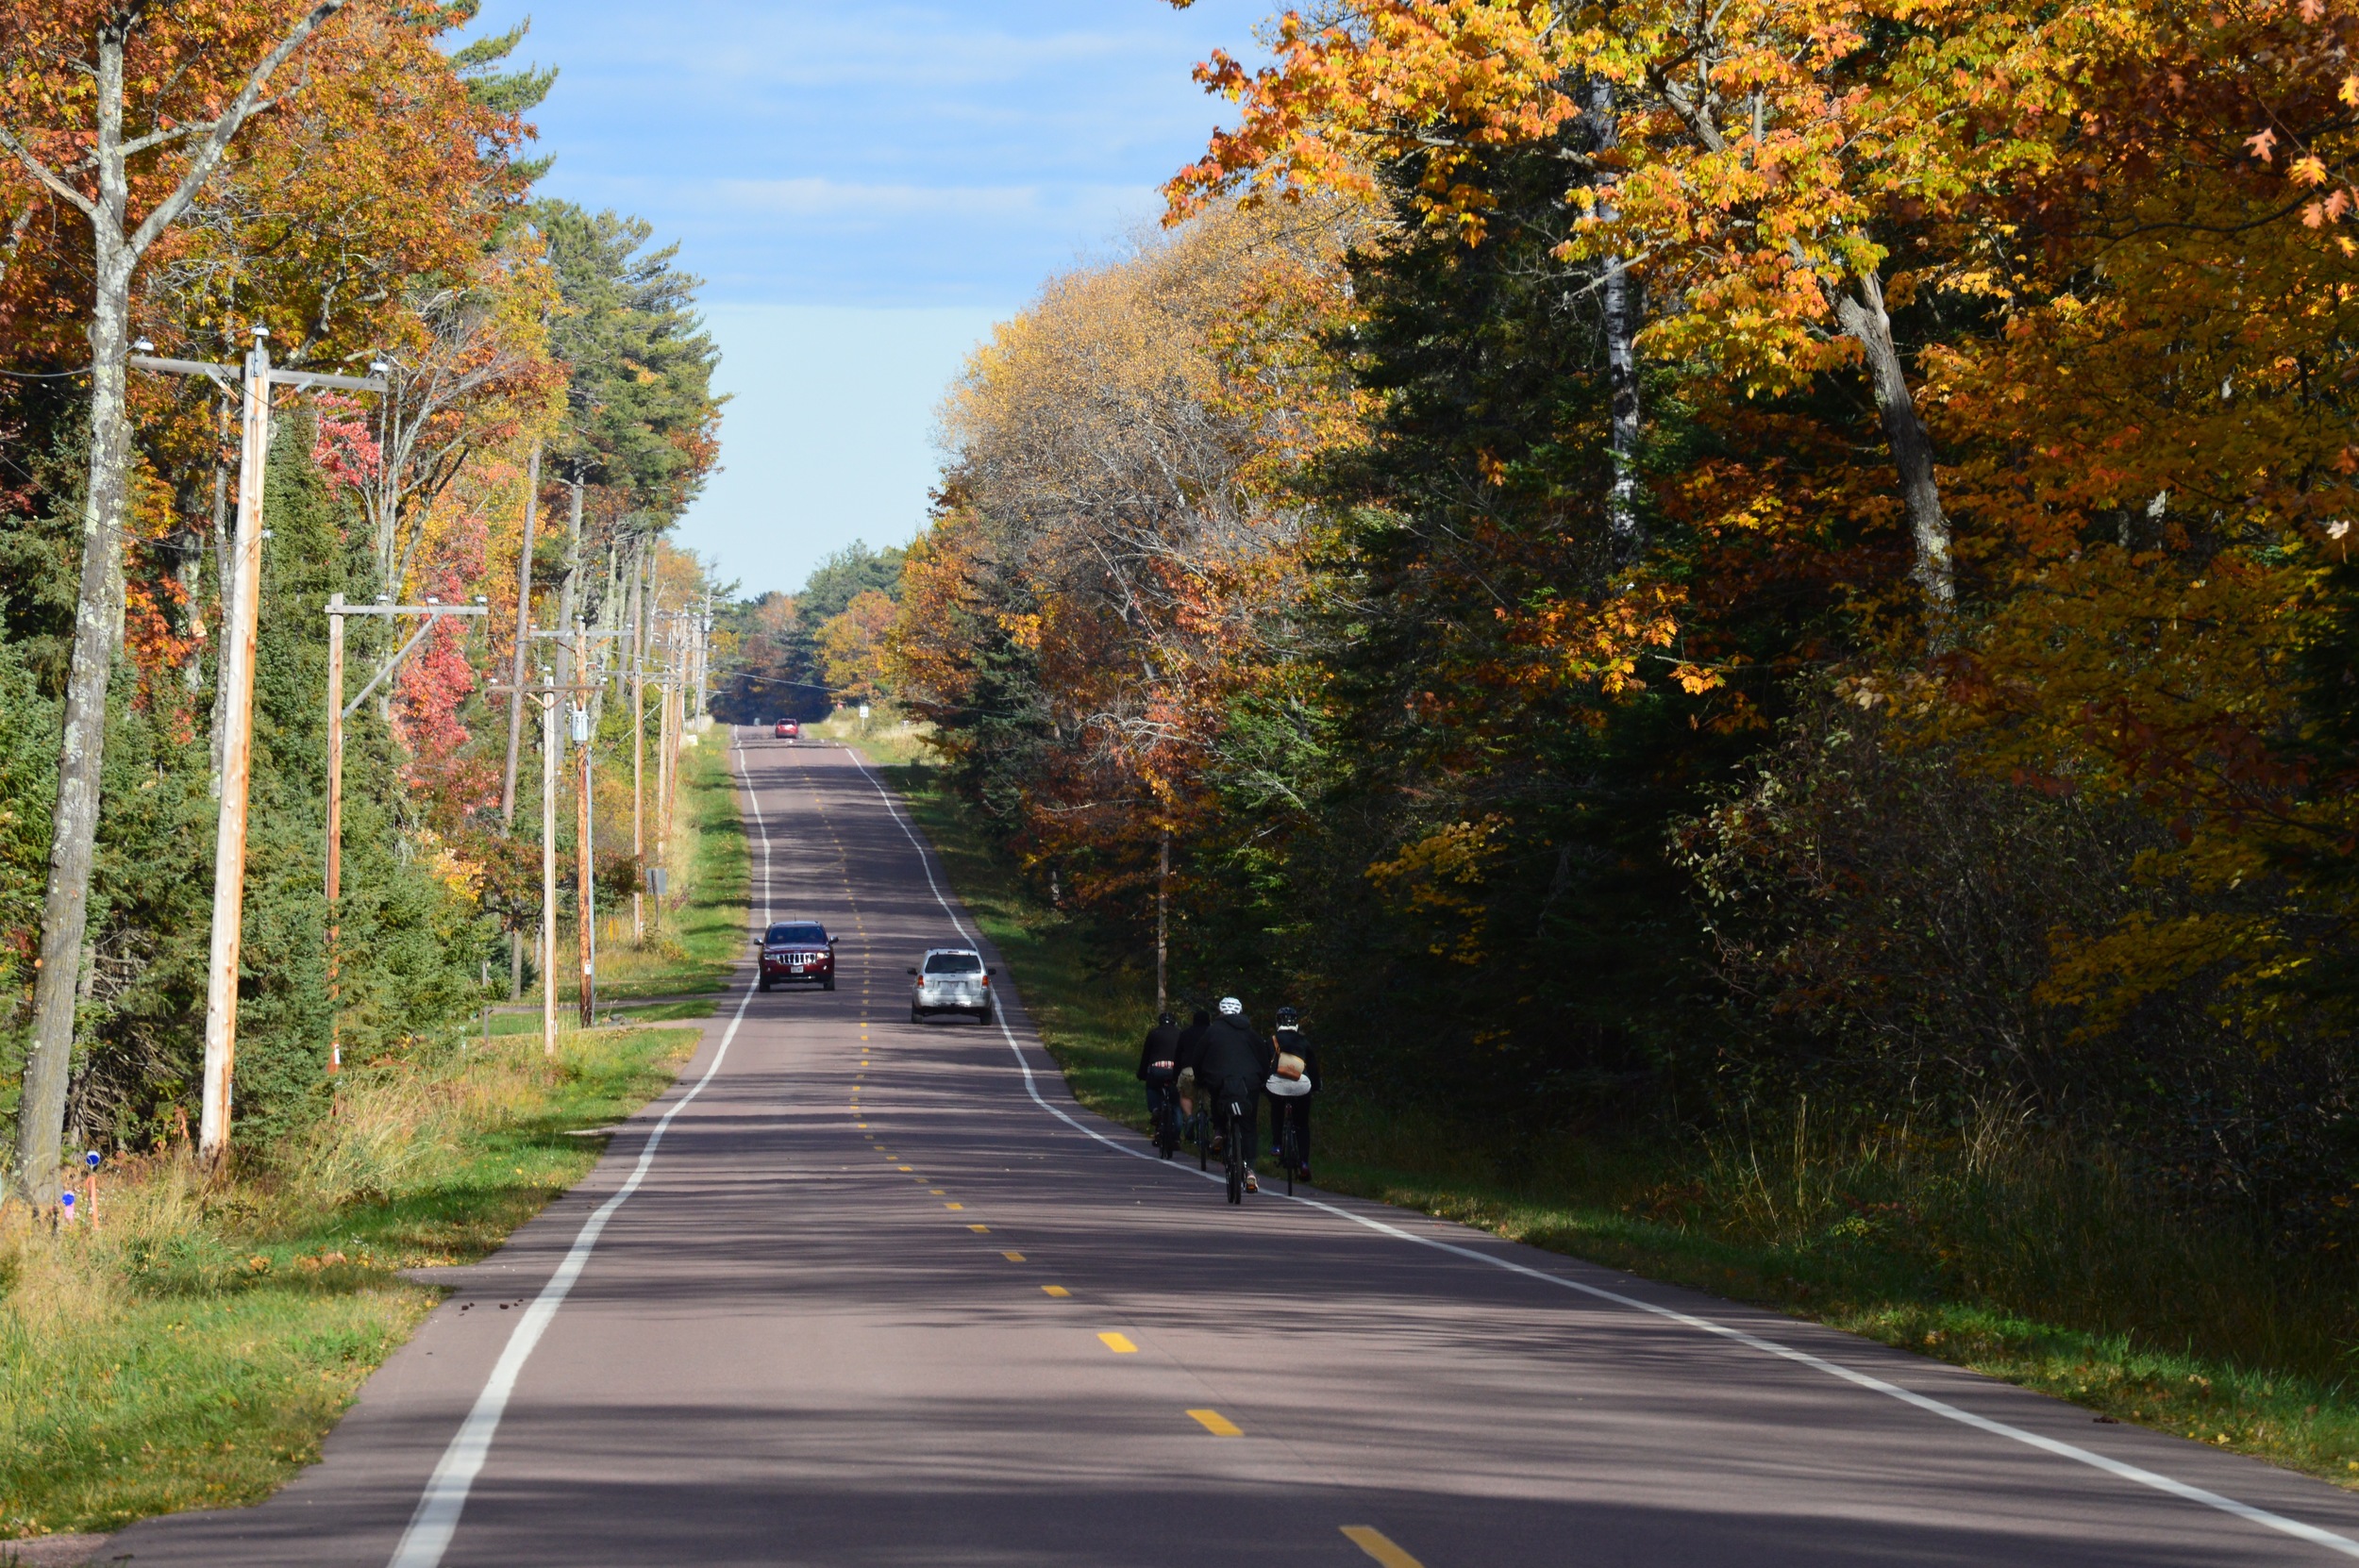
(1622, 358)
(74, 821)
(1864, 318)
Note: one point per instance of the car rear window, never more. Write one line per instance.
(797, 936)
(953, 964)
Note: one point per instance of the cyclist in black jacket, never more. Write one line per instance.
(1235, 1061)
(1291, 1041)
(1158, 1065)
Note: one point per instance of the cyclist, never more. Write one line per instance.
(1159, 1067)
(1235, 1061)
(1190, 1053)
(1291, 1041)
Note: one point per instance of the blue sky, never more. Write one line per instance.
(865, 189)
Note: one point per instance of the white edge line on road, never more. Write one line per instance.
(2117, 1468)
(437, 1517)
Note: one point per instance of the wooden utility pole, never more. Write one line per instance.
(704, 654)
(238, 635)
(638, 749)
(548, 873)
(235, 678)
(339, 711)
(548, 694)
(335, 833)
(585, 898)
(667, 746)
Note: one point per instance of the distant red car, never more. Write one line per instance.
(789, 730)
(798, 952)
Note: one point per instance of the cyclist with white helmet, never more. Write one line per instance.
(1235, 1061)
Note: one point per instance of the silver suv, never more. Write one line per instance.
(952, 979)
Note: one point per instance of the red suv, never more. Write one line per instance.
(799, 951)
(789, 730)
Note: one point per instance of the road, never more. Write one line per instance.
(862, 1292)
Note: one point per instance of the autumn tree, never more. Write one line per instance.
(122, 115)
(851, 647)
(1119, 520)
(1755, 166)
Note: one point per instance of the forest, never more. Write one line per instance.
(1662, 570)
(353, 187)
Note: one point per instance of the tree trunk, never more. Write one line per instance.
(1621, 359)
(1864, 318)
(74, 821)
(523, 639)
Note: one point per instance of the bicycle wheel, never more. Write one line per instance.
(1203, 1128)
(1237, 1156)
(1286, 1155)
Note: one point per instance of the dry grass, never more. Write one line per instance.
(886, 740)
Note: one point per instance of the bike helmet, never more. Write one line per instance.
(1231, 1006)
(1288, 1018)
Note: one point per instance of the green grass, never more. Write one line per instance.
(1994, 1250)
(194, 1350)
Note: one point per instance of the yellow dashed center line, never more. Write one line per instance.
(979, 1229)
(1373, 1541)
(1217, 1423)
(1119, 1344)
(1055, 1290)
(954, 1206)
(1013, 1257)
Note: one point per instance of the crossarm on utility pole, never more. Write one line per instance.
(431, 612)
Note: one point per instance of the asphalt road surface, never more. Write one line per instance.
(862, 1292)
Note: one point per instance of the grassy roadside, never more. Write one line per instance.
(1987, 1251)
(883, 738)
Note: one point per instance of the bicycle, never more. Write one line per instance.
(1238, 1139)
(1167, 1125)
(1289, 1150)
